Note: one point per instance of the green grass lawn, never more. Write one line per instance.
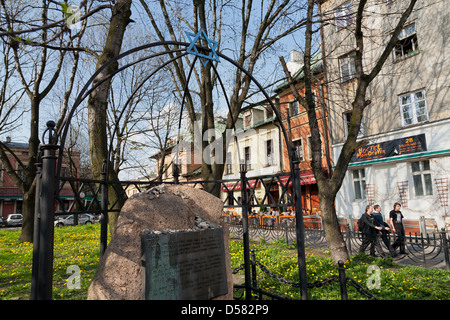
(396, 282)
(74, 246)
(79, 246)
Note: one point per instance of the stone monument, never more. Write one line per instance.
(171, 225)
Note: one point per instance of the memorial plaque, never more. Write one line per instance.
(184, 265)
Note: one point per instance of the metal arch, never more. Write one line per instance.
(85, 91)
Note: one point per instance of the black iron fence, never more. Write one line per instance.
(259, 293)
(430, 250)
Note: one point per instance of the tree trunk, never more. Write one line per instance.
(28, 216)
(333, 235)
(28, 187)
(98, 100)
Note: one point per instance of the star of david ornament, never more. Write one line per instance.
(212, 45)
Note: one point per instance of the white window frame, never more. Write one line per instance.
(347, 62)
(422, 180)
(270, 157)
(359, 183)
(308, 139)
(229, 166)
(343, 16)
(410, 107)
(248, 161)
(299, 149)
(294, 108)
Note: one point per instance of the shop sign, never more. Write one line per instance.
(391, 148)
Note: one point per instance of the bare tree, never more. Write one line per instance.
(38, 64)
(98, 99)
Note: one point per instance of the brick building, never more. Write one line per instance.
(295, 120)
(11, 197)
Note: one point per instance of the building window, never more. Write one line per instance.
(270, 153)
(229, 163)
(422, 178)
(310, 147)
(269, 112)
(407, 44)
(348, 66)
(293, 106)
(413, 108)
(299, 149)
(247, 159)
(347, 120)
(343, 16)
(248, 120)
(359, 183)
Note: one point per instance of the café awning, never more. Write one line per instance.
(305, 178)
(236, 186)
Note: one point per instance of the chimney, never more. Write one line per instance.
(296, 61)
(8, 139)
(296, 56)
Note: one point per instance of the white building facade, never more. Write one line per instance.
(407, 125)
(258, 148)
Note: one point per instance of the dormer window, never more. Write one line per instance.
(269, 112)
(248, 120)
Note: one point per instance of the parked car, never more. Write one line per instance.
(14, 220)
(1, 222)
(83, 218)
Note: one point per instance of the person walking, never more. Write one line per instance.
(379, 221)
(396, 219)
(369, 231)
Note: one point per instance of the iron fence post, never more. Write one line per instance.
(286, 233)
(445, 246)
(176, 173)
(299, 227)
(47, 216)
(37, 221)
(104, 214)
(342, 280)
(254, 279)
(245, 235)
